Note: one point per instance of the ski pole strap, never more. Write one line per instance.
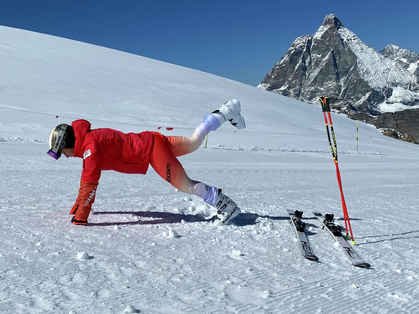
(325, 103)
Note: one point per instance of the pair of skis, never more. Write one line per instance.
(333, 229)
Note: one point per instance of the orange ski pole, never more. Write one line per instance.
(333, 148)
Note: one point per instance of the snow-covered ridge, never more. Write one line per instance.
(407, 59)
(381, 72)
(372, 65)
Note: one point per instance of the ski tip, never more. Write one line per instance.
(312, 258)
(363, 265)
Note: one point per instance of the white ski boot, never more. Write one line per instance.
(227, 209)
(230, 111)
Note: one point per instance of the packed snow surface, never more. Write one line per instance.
(151, 249)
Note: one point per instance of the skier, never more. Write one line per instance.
(109, 149)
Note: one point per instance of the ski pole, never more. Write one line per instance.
(328, 121)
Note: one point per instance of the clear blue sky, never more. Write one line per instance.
(237, 39)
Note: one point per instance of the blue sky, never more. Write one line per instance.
(239, 40)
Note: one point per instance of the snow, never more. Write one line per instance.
(413, 67)
(395, 101)
(151, 249)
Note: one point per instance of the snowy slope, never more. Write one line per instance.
(152, 249)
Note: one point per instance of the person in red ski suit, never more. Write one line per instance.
(109, 149)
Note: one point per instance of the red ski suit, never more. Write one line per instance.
(109, 149)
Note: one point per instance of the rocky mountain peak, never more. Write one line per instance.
(408, 59)
(359, 80)
(392, 48)
(396, 51)
(332, 20)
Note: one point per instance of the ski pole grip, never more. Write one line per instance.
(325, 104)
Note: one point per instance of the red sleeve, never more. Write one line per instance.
(92, 162)
(89, 179)
(76, 204)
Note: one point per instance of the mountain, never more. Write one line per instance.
(361, 82)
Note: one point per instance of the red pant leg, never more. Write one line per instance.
(167, 166)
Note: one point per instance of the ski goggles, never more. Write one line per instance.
(57, 141)
(53, 154)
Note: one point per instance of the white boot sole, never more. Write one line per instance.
(231, 111)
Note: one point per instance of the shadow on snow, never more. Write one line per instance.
(151, 218)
